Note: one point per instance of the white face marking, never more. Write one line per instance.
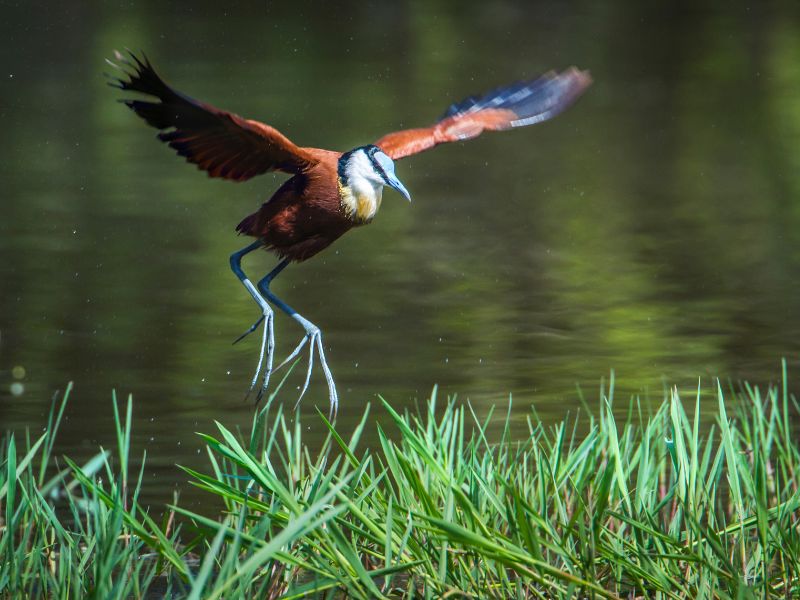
(361, 198)
(360, 167)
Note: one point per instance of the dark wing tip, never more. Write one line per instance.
(138, 75)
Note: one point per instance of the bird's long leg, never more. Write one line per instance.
(313, 337)
(265, 281)
(268, 339)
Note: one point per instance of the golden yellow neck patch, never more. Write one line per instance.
(360, 203)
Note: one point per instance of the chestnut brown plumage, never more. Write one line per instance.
(329, 192)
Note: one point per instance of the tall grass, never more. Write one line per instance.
(65, 534)
(658, 504)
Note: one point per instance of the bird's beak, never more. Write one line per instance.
(395, 183)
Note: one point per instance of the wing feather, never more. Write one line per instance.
(219, 142)
(516, 105)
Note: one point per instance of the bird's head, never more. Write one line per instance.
(369, 164)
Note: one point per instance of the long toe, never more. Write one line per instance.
(333, 396)
(266, 354)
(252, 328)
(295, 353)
(311, 338)
(314, 339)
(269, 358)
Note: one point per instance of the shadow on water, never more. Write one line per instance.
(652, 229)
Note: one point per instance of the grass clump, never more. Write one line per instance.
(64, 534)
(657, 505)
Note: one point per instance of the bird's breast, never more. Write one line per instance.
(360, 203)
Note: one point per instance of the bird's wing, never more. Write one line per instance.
(221, 143)
(515, 105)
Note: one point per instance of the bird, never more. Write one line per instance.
(328, 192)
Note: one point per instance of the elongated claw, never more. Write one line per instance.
(313, 338)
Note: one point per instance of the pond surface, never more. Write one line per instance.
(653, 229)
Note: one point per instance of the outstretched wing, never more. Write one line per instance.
(515, 105)
(221, 143)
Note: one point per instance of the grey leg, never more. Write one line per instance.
(268, 339)
(313, 337)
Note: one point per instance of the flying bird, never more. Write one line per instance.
(329, 192)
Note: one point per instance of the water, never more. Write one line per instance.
(652, 229)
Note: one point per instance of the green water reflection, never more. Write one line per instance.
(652, 229)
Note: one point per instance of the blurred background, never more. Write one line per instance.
(652, 229)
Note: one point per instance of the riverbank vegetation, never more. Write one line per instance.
(686, 499)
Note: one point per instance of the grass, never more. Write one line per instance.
(656, 505)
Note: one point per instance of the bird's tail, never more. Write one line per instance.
(248, 225)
